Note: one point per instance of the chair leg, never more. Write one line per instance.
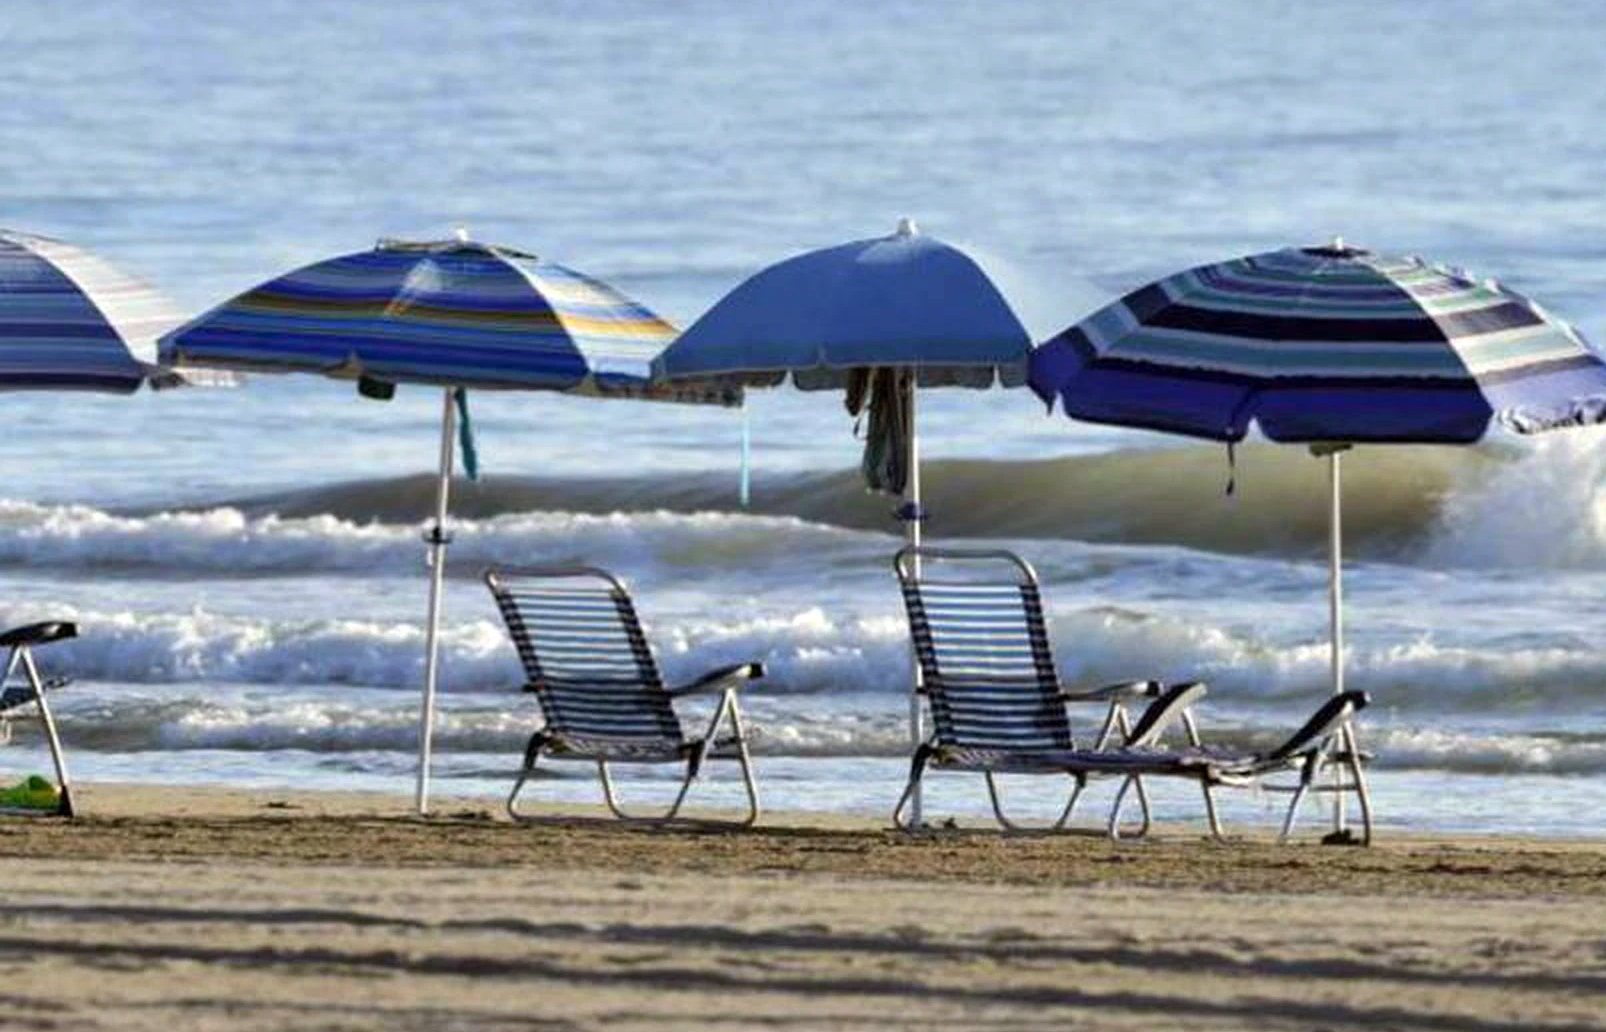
(917, 770)
(64, 805)
(1070, 804)
(1113, 829)
(1362, 793)
(728, 711)
(1210, 808)
(532, 755)
(1311, 770)
(746, 760)
(1118, 712)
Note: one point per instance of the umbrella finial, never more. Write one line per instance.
(1338, 244)
(906, 228)
(460, 231)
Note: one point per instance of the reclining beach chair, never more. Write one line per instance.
(1326, 741)
(990, 679)
(17, 699)
(589, 665)
(987, 672)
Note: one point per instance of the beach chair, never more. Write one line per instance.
(17, 700)
(988, 675)
(588, 663)
(1326, 742)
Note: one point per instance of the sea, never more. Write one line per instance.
(246, 565)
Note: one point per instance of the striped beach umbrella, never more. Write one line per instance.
(877, 318)
(453, 314)
(71, 322)
(1330, 346)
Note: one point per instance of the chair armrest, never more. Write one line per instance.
(1163, 712)
(733, 676)
(39, 633)
(1124, 690)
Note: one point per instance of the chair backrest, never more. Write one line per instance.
(1323, 723)
(584, 653)
(983, 648)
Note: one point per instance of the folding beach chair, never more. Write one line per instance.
(15, 700)
(588, 663)
(1327, 741)
(988, 675)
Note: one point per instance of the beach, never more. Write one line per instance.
(225, 909)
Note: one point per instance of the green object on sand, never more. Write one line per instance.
(32, 793)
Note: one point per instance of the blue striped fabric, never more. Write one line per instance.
(69, 321)
(452, 313)
(1324, 344)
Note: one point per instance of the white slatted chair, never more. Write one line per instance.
(588, 663)
(988, 675)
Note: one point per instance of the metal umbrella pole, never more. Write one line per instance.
(437, 539)
(1335, 591)
(912, 515)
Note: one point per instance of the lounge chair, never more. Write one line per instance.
(990, 679)
(1326, 740)
(987, 672)
(16, 698)
(588, 663)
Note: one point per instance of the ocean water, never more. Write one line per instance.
(246, 565)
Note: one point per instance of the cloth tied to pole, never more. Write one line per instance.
(465, 435)
(883, 394)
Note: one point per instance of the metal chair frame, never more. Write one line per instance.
(35, 689)
(1117, 720)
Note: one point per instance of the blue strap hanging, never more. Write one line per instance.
(465, 435)
(747, 459)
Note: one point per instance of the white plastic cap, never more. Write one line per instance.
(906, 228)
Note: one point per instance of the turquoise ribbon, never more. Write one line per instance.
(465, 435)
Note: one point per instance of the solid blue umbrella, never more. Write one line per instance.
(453, 314)
(876, 318)
(1330, 346)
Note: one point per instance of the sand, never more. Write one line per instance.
(188, 909)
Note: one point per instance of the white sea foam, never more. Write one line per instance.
(809, 651)
(225, 541)
(1546, 510)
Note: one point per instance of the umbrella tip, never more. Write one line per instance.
(1338, 243)
(906, 228)
(460, 231)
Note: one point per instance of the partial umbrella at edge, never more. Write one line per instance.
(70, 321)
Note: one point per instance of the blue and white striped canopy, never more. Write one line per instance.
(447, 313)
(1324, 344)
(905, 300)
(69, 321)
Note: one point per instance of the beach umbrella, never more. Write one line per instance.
(876, 319)
(71, 322)
(453, 314)
(1331, 346)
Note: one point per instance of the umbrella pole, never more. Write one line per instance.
(911, 526)
(437, 539)
(1335, 598)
